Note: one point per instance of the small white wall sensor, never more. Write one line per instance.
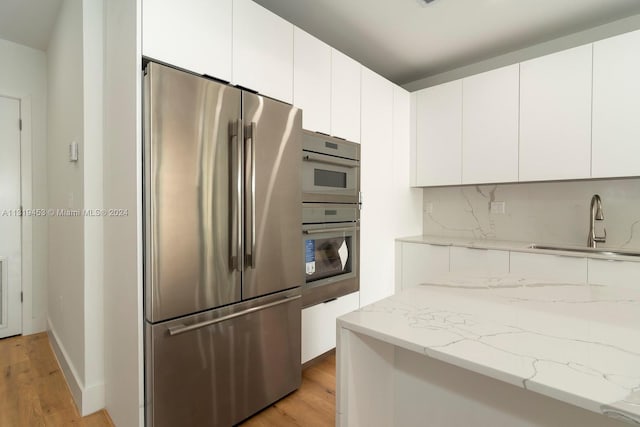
(73, 152)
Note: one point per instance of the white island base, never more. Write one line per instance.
(505, 353)
(388, 386)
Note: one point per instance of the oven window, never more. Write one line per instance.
(325, 178)
(327, 257)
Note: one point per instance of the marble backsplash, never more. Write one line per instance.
(545, 212)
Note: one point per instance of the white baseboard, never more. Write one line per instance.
(87, 399)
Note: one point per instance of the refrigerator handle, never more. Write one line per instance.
(250, 194)
(236, 196)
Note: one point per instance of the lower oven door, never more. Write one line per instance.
(331, 261)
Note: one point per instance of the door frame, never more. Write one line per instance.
(29, 323)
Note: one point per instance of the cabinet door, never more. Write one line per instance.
(555, 116)
(625, 274)
(192, 34)
(345, 97)
(312, 81)
(319, 325)
(439, 135)
(478, 261)
(262, 51)
(549, 267)
(490, 109)
(376, 176)
(422, 263)
(616, 106)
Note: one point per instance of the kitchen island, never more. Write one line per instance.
(492, 351)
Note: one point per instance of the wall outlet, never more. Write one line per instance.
(498, 208)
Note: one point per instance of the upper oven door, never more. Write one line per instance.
(329, 179)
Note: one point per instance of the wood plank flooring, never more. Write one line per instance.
(33, 391)
(312, 405)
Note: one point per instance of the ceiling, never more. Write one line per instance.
(406, 40)
(28, 22)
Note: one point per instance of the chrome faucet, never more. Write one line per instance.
(596, 215)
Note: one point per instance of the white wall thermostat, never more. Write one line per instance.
(73, 152)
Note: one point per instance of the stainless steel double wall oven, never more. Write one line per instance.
(330, 217)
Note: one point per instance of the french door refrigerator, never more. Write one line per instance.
(223, 256)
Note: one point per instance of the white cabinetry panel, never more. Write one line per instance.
(558, 268)
(624, 274)
(192, 34)
(616, 106)
(490, 106)
(345, 96)
(319, 325)
(555, 116)
(421, 263)
(377, 217)
(478, 261)
(262, 51)
(312, 81)
(439, 134)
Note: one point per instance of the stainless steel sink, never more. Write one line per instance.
(599, 251)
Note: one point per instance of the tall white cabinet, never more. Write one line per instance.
(555, 116)
(345, 96)
(616, 106)
(193, 34)
(262, 51)
(312, 81)
(490, 115)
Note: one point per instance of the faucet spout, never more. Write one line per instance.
(596, 214)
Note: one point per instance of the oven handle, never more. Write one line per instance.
(334, 161)
(329, 230)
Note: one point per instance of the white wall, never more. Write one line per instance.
(75, 294)
(65, 187)
(122, 189)
(545, 212)
(23, 74)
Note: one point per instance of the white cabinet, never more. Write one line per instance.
(421, 263)
(345, 97)
(477, 261)
(319, 325)
(192, 34)
(262, 51)
(555, 116)
(439, 135)
(558, 268)
(376, 175)
(490, 106)
(616, 106)
(625, 274)
(312, 81)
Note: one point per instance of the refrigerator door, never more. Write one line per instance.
(219, 367)
(273, 198)
(190, 219)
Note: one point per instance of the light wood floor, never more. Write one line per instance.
(312, 405)
(33, 391)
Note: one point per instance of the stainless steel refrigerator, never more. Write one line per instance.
(223, 256)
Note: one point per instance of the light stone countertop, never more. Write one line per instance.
(579, 344)
(515, 246)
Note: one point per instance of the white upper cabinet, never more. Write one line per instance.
(439, 135)
(345, 97)
(616, 106)
(192, 34)
(555, 116)
(490, 105)
(312, 81)
(262, 51)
